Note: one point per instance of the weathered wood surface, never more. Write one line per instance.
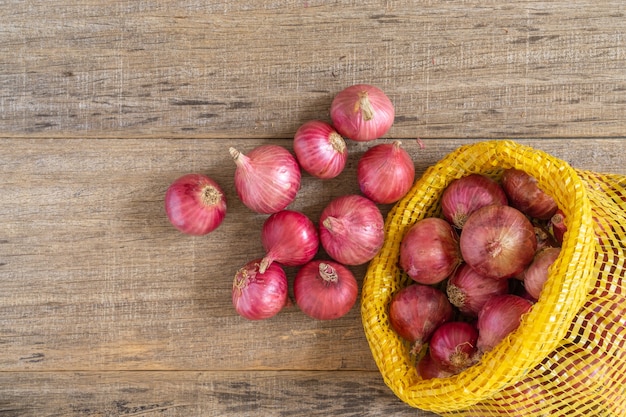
(257, 69)
(106, 310)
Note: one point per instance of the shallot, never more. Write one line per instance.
(453, 345)
(290, 238)
(500, 316)
(469, 291)
(362, 112)
(498, 241)
(536, 274)
(385, 172)
(267, 179)
(351, 229)
(416, 311)
(525, 195)
(325, 290)
(256, 295)
(429, 251)
(467, 194)
(320, 150)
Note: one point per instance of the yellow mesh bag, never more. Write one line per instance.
(568, 357)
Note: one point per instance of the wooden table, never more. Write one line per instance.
(107, 310)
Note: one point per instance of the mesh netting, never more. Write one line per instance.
(568, 357)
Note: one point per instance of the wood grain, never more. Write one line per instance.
(214, 69)
(106, 310)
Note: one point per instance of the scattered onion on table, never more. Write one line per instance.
(256, 295)
(195, 204)
(362, 112)
(385, 172)
(320, 150)
(267, 179)
(325, 290)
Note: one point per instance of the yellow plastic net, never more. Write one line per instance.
(568, 357)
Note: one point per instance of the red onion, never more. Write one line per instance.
(362, 112)
(290, 238)
(557, 225)
(525, 195)
(498, 241)
(325, 290)
(500, 316)
(320, 150)
(351, 229)
(536, 275)
(428, 368)
(416, 311)
(429, 251)
(195, 204)
(453, 345)
(469, 291)
(385, 172)
(257, 295)
(267, 178)
(467, 194)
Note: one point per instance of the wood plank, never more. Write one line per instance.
(218, 69)
(95, 278)
(207, 394)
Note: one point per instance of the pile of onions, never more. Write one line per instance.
(362, 112)
(385, 172)
(195, 204)
(493, 271)
(351, 229)
(267, 179)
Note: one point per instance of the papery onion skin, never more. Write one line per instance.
(557, 225)
(290, 238)
(416, 311)
(362, 112)
(428, 368)
(195, 204)
(259, 296)
(525, 195)
(467, 194)
(500, 316)
(453, 345)
(320, 149)
(351, 229)
(267, 179)
(469, 291)
(429, 251)
(385, 172)
(498, 241)
(325, 290)
(536, 275)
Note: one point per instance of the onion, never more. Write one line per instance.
(469, 291)
(267, 179)
(351, 229)
(453, 345)
(362, 112)
(499, 316)
(428, 368)
(385, 172)
(429, 251)
(325, 290)
(257, 295)
(557, 225)
(289, 237)
(498, 241)
(525, 195)
(416, 311)
(467, 194)
(535, 276)
(320, 150)
(195, 204)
